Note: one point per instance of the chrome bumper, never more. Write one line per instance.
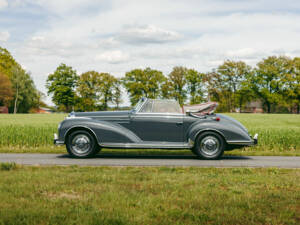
(56, 141)
(254, 141)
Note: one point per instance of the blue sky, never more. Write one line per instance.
(119, 35)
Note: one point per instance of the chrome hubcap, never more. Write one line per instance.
(210, 145)
(81, 144)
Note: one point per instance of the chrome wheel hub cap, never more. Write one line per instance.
(81, 144)
(210, 145)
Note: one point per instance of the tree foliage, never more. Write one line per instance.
(95, 90)
(291, 82)
(6, 92)
(267, 80)
(25, 95)
(178, 81)
(228, 85)
(195, 86)
(61, 85)
(143, 83)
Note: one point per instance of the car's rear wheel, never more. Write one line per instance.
(82, 144)
(209, 145)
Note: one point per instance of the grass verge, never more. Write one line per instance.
(156, 195)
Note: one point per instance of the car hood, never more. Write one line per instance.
(100, 114)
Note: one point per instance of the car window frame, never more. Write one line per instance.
(155, 113)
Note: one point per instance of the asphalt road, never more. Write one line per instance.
(136, 160)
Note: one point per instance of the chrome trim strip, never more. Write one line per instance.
(146, 145)
(241, 142)
(78, 117)
(59, 142)
(163, 114)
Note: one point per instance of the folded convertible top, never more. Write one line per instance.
(202, 109)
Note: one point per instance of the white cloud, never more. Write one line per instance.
(3, 4)
(143, 34)
(113, 57)
(4, 36)
(116, 36)
(244, 53)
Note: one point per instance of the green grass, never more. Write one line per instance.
(155, 195)
(278, 134)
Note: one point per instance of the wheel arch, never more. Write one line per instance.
(80, 127)
(209, 130)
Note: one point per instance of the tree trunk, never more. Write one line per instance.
(298, 108)
(16, 100)
(268, 107)
(105, 103)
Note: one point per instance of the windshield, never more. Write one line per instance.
(138, 105)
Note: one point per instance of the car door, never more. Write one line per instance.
(152, 126)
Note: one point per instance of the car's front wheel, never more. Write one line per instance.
(209, 145)
(81, 144)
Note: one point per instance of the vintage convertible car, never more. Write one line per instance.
(154, 124)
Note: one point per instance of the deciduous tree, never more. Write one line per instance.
(291, 83)
(61, 85)
(6, 92)
(267, 80)
(195, 85)
(178, 81)
(143, 83)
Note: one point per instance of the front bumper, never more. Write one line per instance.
(56, 140)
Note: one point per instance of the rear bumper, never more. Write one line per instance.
(254, 141)
(56, 140)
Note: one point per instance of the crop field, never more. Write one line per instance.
(278, 134)
(148, 195)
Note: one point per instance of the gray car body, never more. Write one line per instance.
(131, 129)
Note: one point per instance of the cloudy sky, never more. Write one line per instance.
(118, 35)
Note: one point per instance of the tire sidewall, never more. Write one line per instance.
(201, 154)
(93, 148)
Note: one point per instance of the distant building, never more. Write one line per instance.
(253, 107)
(43, 110)
(3, 109)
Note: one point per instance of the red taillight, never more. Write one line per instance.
(217, 118)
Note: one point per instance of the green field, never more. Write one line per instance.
(157, 195)
(278, 134)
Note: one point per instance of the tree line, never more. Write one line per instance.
(274, 81)
(17, 89)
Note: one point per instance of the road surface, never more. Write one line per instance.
(136, 160)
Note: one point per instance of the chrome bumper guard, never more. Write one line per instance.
(255, 139)
(56, 141)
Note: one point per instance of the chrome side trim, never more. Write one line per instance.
(160, 116)
(56, 142)
(241, 142)
(77, 117)
(152, 145)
